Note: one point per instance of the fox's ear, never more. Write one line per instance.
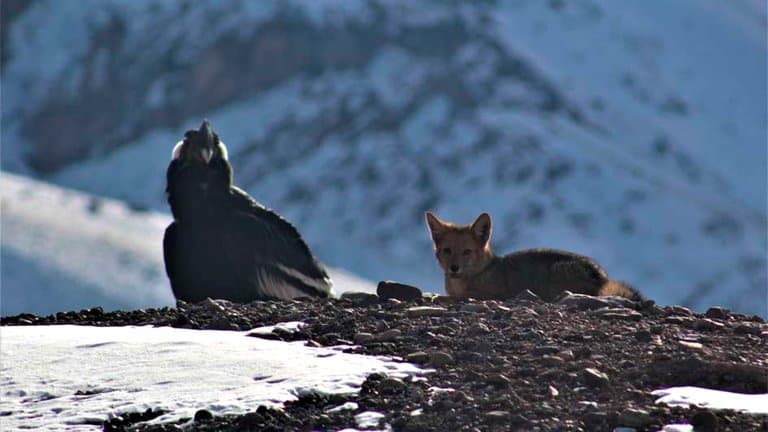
(435, 225)
(481, 228)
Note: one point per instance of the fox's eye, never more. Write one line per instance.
(467, 252)
(447, 251)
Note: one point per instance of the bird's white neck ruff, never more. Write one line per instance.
(176, 153)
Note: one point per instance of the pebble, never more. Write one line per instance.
(395, 290)
(691, 345)
(391, 385)
(475, 307)
(705, 421)
(584, 302)
(618, 314)
(643, 336)
(360, 298)
(211, 305)
(498, 380)
(497, 415)
(203, 416)
(389, 335)
(634, 417)
(717, 312)
(676, 320)
(362, 338)
(551, 361)
(424, 311)
(707, 324)
(678, 310)
(440, 358)
(545, 349)
(595, 378)
(528, 295)
(419, 357)
(478, 329)
(746, 329)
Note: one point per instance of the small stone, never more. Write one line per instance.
(362, 338)
(678, 310)
(330, 337)
(389, 335)
(746, 329)
(203, 416)
(545, 349)
(553, 391)
(418, 357)
(618, 314)
(531, 334)
(707, 324)
(440, 358)
(595, 378)
(705, 421)
(391, 385)
(360, 298)
(389, 289)
(643, 336)
(551, 361)
(424, 311)
(528, 295)
(211, 305)
(478, 329)
(498, 380)
(676, 320)
(583, 302)
(497, 415)
(475, 307)
(717, 313)
(691, 345)
(482, 346)
(596, 417)
(634, 417)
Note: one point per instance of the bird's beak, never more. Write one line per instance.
(206, 154)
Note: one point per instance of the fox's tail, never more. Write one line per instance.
(621, 289)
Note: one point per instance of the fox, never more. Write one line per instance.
(472, 270)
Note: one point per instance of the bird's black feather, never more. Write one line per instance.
(223, 243)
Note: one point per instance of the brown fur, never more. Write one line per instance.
(472, 270)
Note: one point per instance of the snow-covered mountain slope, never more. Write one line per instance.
(58, 378)
(633, 132)
(66, 250)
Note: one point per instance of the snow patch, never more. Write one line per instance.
(712, 399)
(70, 377)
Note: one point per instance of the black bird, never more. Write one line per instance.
(222, 243)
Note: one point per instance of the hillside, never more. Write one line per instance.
(632, 132)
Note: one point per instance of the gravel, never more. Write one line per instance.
(580, 365)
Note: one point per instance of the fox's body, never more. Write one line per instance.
(472, 270)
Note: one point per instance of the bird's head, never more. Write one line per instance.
(199, 173)
(200, 146)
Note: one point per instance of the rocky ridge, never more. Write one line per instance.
(582, 364)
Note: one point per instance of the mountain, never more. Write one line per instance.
(633, 132)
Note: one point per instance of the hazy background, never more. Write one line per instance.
(633, 132)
